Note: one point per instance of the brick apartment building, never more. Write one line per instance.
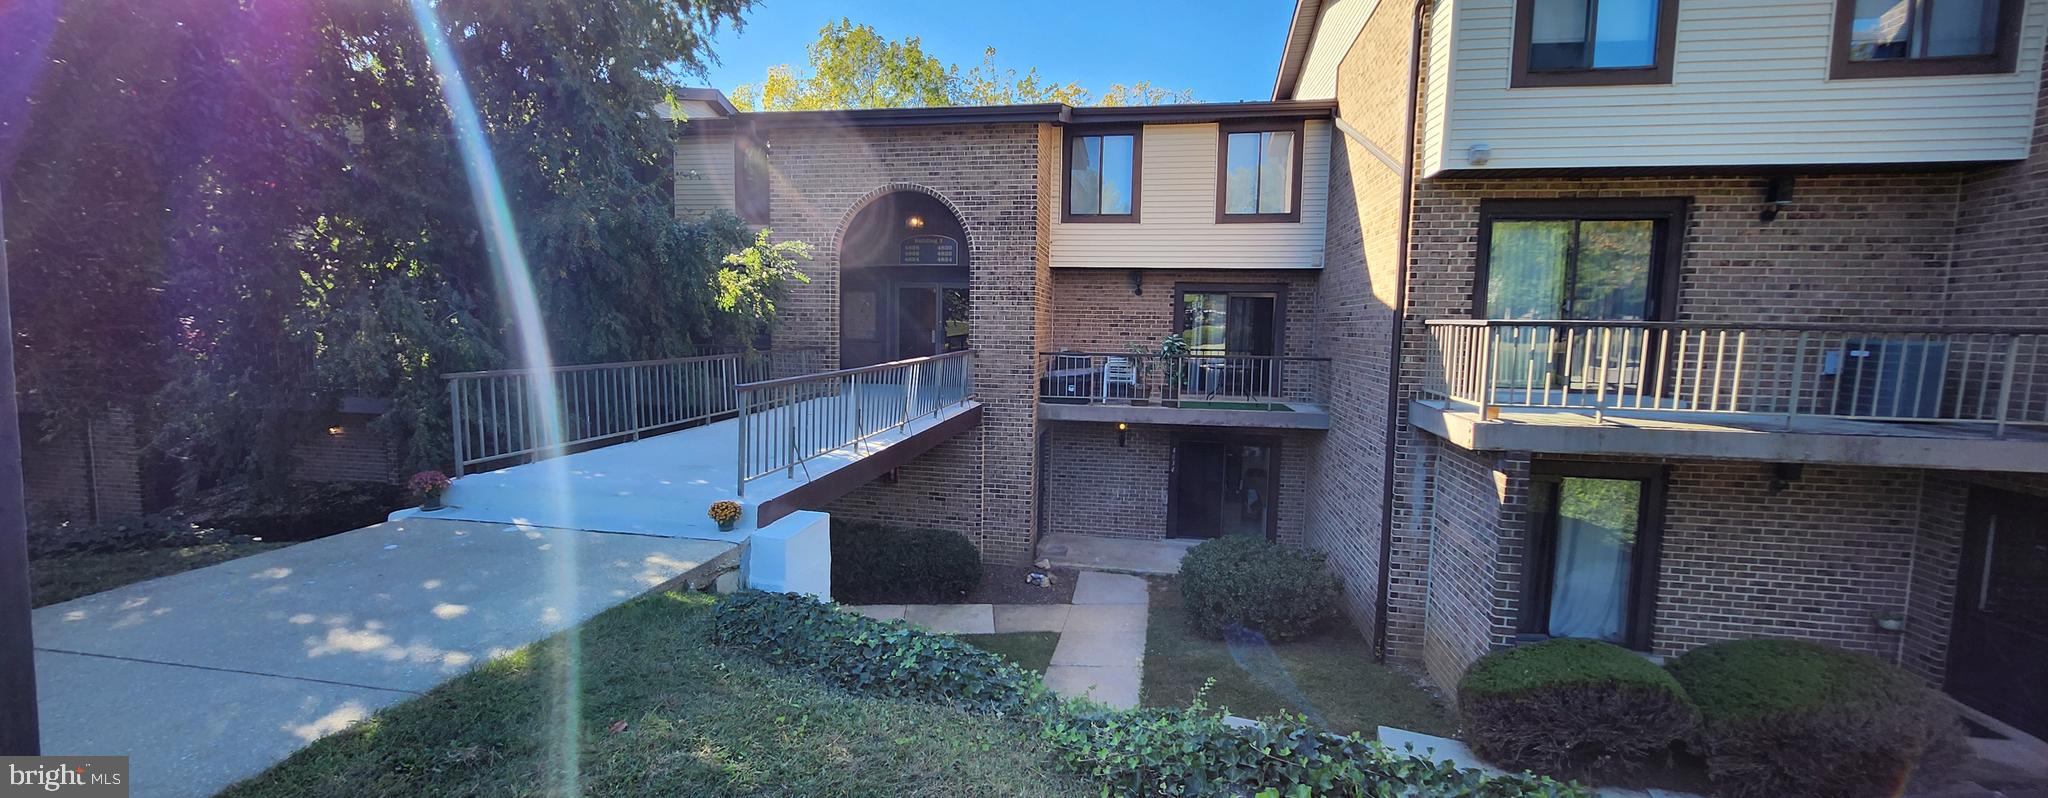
(1657, 322)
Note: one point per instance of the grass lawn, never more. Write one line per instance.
(66, 577)
(1332, 676)
(697, 720)
(1030, 650)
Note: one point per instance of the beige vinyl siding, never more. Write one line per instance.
(1749, 86)
(1339, 27)
(1436, 85)
(1177, 226)
(699, 109)
(703, 174)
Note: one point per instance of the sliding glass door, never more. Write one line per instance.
(1593, 552)
(1233, 335)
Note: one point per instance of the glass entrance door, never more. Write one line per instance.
(1222, 488)
(1998, 645)
(930, 319)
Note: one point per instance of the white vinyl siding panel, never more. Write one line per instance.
(1338, 28)
(1749, 86)
(704, 175)
(1177, 228)
(1436, 85)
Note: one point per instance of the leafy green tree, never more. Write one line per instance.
(852, 66)
(260, 207)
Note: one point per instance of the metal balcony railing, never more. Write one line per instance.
(494, 415)
(1111, 378)
(1979, 375)
(784, 423)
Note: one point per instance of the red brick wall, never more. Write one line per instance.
(1095, 311)
(1819, 560)
(991, 176)
(1355, 310)
(360, 453)
(940, 489)
(1476, 527)
(1999, 274)
(76, 476)
(1096, 486)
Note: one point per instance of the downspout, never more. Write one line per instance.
(1379, 624)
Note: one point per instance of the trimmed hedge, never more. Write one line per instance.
(876, 563)
(134, 533)
(1133, 753)
(1571, 707)
(1784, 718)
(1246, 582)
(1159, 752)
(865, 655)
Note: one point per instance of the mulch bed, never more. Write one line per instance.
(1004, 584)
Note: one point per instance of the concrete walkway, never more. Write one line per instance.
(1101, 653)
(210, 676)
(662, 485)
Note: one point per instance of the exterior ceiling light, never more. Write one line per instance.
(914, 222)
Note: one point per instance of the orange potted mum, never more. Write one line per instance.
(726, 513)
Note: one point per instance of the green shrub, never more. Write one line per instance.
(1571, 707)
(1784, 718)
(882, 564)
(1159, 752)
(1137, 753)
(1238, 581)
(134, 533)
(303, 511)
(868, 656)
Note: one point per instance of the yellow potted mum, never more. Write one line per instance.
(726, 513)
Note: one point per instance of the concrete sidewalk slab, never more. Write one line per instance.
(258, 656)
(952, 619)
(1095, 587)
(1032, 617)
(1127, 618)
(1088, 552)
(879, 612)
(1115, 686)
(1099, 649)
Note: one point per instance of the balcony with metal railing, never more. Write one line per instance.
(1934, 397)
(1191, 390)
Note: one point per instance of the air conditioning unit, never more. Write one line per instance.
(1888, 378)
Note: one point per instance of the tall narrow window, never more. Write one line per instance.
(1584, 42)
(1901, 38)
(751, 189)
(1102, 177)
(1259, 174)
(1593, 549)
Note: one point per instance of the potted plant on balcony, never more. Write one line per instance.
(428, 487)
(1142, 365)
(726, 513)
(1173, 352)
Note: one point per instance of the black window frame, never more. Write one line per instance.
(1665, 50)
(2004, 57)
(1670, 214)
(1540, 547)
(1223, 134)
(1137, 134)
(1277, 290)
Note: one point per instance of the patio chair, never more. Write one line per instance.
(1119, 371)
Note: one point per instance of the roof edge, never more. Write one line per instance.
(1301, 35)
(1053, 113)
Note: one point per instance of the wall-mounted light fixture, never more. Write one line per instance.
(335, 430)
(1123, 432)
(1784, 474)
(914, 222)
(1777, 197)
(1137, 282)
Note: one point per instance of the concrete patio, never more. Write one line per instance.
(210, 676)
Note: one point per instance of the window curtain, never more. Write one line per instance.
(1595, 538)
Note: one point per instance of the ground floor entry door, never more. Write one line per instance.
(930, 319)
(1998, 646)
(1220, 487)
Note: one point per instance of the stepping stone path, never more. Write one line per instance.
(1101, 653)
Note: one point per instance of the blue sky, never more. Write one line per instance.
(1222, 49)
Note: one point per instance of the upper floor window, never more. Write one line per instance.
(1899, 38)
(1259, 173)
(1102, 176)
(1594, 42)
